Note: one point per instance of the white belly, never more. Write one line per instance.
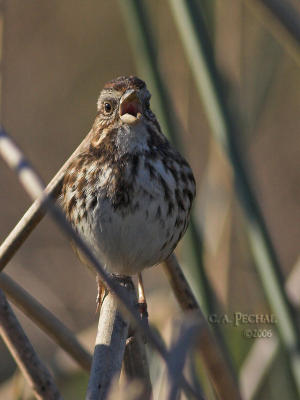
(127, 244)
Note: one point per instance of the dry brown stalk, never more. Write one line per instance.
(110, 343)
(24, 354)
(179, 284)
(280, 31)
(34, 214)
(211, 354)
(46, 321)
(135, 364)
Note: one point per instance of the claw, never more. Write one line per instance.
(142, 304)
(142, 299)
(101, 293)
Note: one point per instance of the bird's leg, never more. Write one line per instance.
(101, 293)
(141, 298)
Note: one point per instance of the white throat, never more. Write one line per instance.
(132, 138)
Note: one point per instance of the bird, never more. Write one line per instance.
(129, 192)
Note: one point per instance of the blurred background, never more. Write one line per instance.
(56, 56)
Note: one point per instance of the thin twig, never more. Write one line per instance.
(32, 183)
(179, 284)
(184, 334)
(287, 14)
(46, 321)
(135, 363)
(110, 343)
(35, 213)
(24, 354)
(284, 26)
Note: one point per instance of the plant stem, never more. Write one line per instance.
(46, 321)
(24, 354)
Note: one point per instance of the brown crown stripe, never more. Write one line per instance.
(124, 83)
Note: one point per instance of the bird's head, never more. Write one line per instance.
(124, 100)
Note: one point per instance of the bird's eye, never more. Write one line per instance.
(107, 107)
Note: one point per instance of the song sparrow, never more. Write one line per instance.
(129, 193)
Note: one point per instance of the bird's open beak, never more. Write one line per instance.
(130, 107)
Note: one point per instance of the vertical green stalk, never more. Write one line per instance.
(287, 15)
(145, 57)
(1, 52)
(200, 56)
(207, 8)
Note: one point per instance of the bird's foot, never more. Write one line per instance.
(142, 304)
(101, 293)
